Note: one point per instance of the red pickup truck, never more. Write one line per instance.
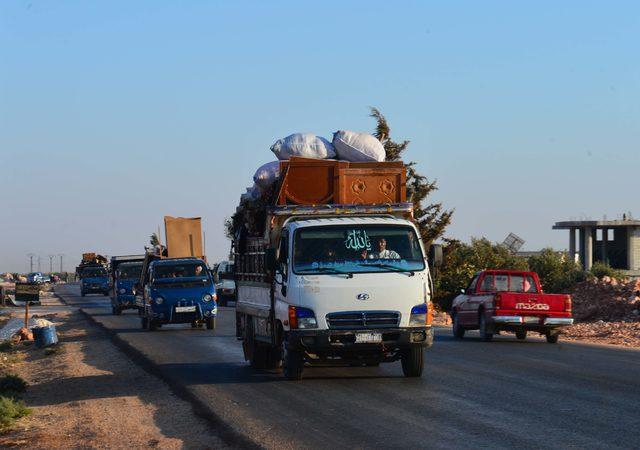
(508, 300)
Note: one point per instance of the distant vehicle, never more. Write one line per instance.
(38, 278)
(94, 279)
(126, 275)
(508, 300)
(225, 285)
(176, 290)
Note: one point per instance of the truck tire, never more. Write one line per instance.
(152, 325)
(458, 331)
(292, 364)
(521, 335)
(412, 360)
(211, 323)
(552, 338)
(82, 294)
(485, 334)
(143, 322)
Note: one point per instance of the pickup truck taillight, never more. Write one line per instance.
(567, 303)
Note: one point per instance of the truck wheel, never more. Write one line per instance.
(485, 335)
(106, 293)
(521, 334)
(458, 331)
(412, 360)
(211, 323)
(82, 294)
(552, 338)
(292, 364)
(143, 323)
(152, 325)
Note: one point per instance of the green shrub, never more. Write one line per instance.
(7, 346)
(12, 385)
(600, 269)
(556, 270)
(10, 411)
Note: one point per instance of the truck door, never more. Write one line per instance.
(464, 299)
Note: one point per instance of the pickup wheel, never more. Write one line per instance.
(458, 331)
(485, 334)
(412, 360)
(521, 334)
(292, 363)
(552, 338)
(211, 323)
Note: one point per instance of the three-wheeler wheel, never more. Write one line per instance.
(117, 310)
(211, 323)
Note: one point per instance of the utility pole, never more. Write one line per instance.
(61, 255)
(51, 263)
(31, 255)
(39, 264)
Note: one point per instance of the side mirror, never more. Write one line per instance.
(270, 259)
(435, 255)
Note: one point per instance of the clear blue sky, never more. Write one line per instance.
(115, 113)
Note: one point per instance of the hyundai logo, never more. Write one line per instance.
(363, 297)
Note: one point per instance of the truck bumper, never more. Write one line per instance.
(343, 342)
(125, 301)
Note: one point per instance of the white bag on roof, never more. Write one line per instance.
(267, 174)
(304, 145)
(357, 147)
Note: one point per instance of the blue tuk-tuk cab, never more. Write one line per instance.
(176, 290)
(94, 279)
(125, 276)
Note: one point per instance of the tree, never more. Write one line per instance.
(557, 272)
(432, 218)
(154, 239)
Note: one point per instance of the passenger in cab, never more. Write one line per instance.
(383, 252)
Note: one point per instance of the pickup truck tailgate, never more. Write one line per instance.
(533, 304)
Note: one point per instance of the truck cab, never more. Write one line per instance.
(176, 290)
(346, 290)
(125, 277)
(94, 279)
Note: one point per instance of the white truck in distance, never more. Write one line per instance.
(334, 285)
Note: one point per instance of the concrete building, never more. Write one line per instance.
(616, 242)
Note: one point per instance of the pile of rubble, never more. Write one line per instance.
(607, 300)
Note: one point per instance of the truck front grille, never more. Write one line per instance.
(352, 320)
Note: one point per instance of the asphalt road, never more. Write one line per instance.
(501, 394)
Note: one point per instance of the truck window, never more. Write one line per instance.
(283, 253)
(530, 285)
(517, 283)
(129, 272)
(94, 273)
(487, 284)
(180, 270)
(501, 283)
(357, 249)
(472, 286)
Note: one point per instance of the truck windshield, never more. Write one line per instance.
(94, 273)
(129, 272)
(183, 270)
(356, 249)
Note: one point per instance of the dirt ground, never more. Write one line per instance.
(90, 395)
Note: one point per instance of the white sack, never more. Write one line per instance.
(358, 147)
(267, 174)
(304, 145)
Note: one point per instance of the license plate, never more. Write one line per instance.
(180, 309)
(368, 338)
(531, 319)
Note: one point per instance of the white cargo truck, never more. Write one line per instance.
(343, 284)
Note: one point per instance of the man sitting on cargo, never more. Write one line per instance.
(383, 252)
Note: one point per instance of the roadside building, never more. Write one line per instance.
(615, 242)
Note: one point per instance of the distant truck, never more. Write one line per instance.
(507, 300)
(178, 287)
(90, 260)
(333, 271)
(225, 286)
(125, 273)
(94, 279)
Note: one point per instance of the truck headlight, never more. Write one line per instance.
(123, 291)
(302, 318)
(159, 300)
(418, 315)
(207, 297)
